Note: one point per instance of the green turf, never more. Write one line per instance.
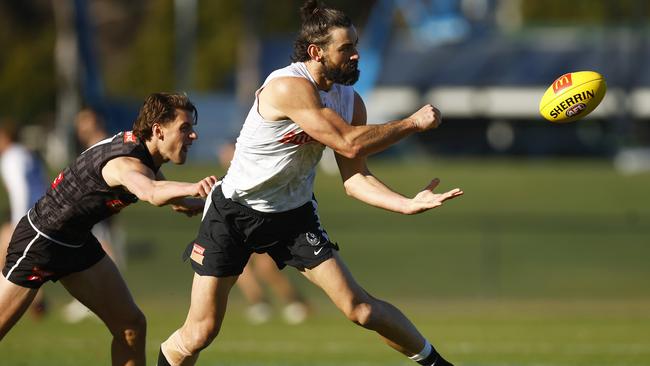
(540, 263)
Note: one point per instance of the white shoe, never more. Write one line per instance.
(259, 313)
(295, 313)
(74, 312)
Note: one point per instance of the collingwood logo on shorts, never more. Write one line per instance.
(313, 239)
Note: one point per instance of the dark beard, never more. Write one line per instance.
(346, 74)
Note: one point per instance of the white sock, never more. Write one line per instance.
(426, 351)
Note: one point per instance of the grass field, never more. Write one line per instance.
(540, 263)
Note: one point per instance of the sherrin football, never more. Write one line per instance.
(572, 96)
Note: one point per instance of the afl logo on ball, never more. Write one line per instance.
(313, 239)
(575, 109)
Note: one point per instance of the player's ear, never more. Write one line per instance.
(315, 52)
(157, 131)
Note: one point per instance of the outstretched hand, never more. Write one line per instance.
(191, 206)
(204, 186)
(427, 200)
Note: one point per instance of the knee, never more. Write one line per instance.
(133, 330)
(201, 335)
(363, 314)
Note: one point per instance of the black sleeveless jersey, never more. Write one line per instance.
(79, 197)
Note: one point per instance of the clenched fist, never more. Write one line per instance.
(426, 118)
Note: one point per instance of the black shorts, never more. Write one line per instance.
(33, 259)
(230, 232)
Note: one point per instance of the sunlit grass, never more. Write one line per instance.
(541, 263)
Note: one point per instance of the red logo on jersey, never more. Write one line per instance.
(296, 138)
(562, 82)
(39, 275)
(116, 205)
(130, 137)
(57, 180)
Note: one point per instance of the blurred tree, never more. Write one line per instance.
(219, 31)
(135, 41)
(147, 63)
(148, 56)
(27, 81)
(135, 46)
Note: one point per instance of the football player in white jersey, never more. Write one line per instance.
(265, 203)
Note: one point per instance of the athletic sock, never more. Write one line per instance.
(429, 357)
(436, 360)
(162, 360)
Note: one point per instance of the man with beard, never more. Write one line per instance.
(265, 203)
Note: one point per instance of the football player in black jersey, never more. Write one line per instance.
(53, 240)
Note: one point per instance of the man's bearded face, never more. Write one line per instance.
(347, 73)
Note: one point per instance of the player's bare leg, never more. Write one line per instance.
(5, 236)
(249, 286)
(259, 309)
(75, 311)
(39, 307)
(38, 303)
(268, 271)
(14, 301)
(207, 309)
(369, 312)
(295, 310)
(361, 308)
(102, 289)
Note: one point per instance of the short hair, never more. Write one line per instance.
(317, 21)
(160, 108)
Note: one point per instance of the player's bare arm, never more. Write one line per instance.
(191, 206)
(297, 99)
(361, 184)
(141, 181)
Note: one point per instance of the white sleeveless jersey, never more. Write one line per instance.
(274, 165)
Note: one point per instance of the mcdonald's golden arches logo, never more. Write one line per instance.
(562, 82)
